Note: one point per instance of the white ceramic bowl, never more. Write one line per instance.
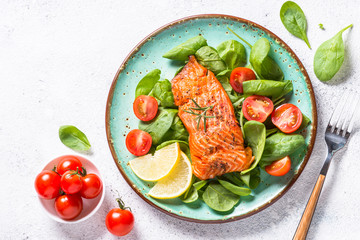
(90, 206)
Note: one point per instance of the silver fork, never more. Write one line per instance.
(336, 136)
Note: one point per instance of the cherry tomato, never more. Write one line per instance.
(68, 206)
(47, 184)
(71, 182)
(119, 221)
(279, 167)
(91, 186)
(238, 76)
(287, 118)
(257, 108)
(138, 142)
(68, 162)
(145, 107)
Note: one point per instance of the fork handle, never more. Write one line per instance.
(306, 218)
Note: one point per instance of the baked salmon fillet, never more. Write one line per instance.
(218, 147)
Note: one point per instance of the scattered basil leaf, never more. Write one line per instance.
(262, 63)
(219, 198)
(147, 83)
(184, 50)
(158, 127)
(280, 145)
(241, 191)
(294, 20)
(232, 53)
(255, 133)
(321, 26)
(269, 88)
(73, 138)
(329, 57)
(162, 91)
(210, 59)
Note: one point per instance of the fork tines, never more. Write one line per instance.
(343, 117)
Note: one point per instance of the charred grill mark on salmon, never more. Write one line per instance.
(219, 149)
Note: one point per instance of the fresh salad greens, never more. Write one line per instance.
(73, 138)
(321, 26)
(294, 20)
(329, 57)
(184, 50)
(267, 142)
(262, 63)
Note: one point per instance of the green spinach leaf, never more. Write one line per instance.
(232, 53)
(271, 131)
(241, 191)
(273, 89)
(73, 138)
(190, 196)
(263, 64)
(305, 122)
(280, 145)
(219, 198)
(329, 57)
(184, 50)
(199, 185)
(177, 131)
(147, 83)
(255, 133)
(162, 92)
(209, 58)
(159, 126)
(251, 179)
(294, 20)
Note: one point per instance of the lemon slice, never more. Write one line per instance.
(176, 183)
(154, 168)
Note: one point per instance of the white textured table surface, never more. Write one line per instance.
(57, 61)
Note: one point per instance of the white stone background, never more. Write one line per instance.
(57, 61)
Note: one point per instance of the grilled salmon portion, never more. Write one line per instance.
(218, 147)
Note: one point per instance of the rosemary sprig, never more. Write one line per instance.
(199, 116)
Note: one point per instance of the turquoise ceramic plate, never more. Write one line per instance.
(146, 56)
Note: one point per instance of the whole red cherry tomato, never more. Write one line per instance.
(119, 221)
(47, 184)
(71, 182)
(68, 206)
(91, 186)
(68, 162)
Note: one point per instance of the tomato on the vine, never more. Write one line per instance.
(68, 162)
(71, 182)
(91, 186)
(119, 221)
(47, 184)
(68, 206)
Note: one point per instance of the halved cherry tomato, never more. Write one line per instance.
(287, 118)
(279, 167)
(138, 142)
(145, 107)
(239, 75)
(68, 162)
(71, 182)
(47, 184)
(257, 108)
(68, 206)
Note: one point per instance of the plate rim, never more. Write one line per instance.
(241, 20)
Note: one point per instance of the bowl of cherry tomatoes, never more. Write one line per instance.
(70, 189)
